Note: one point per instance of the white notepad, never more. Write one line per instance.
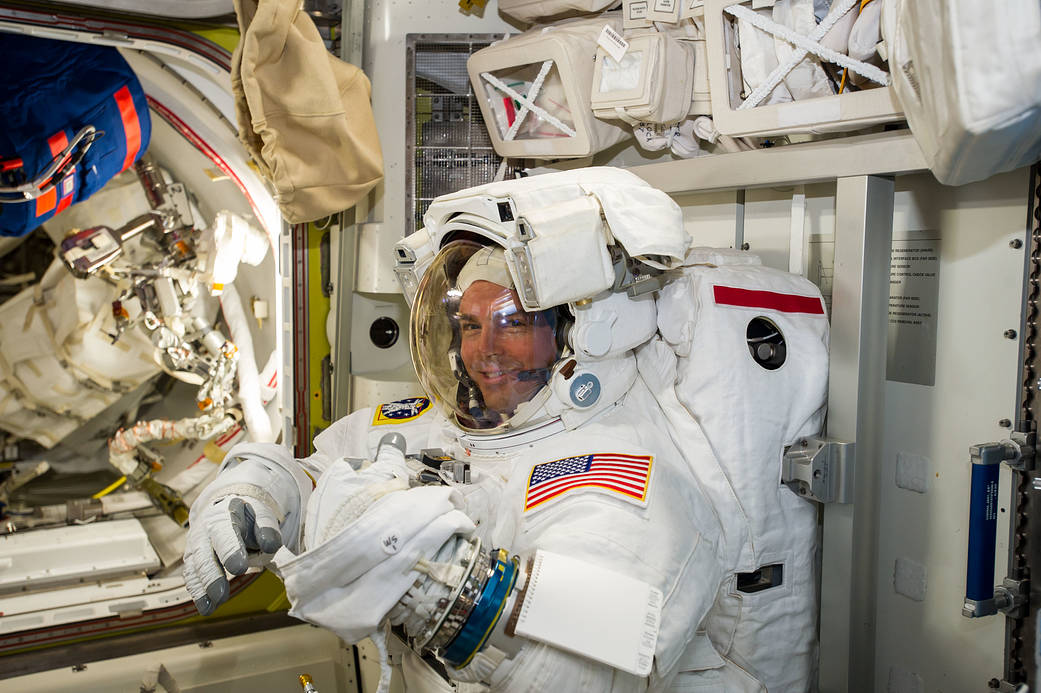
(593, 612)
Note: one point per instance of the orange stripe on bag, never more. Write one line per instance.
(57, 142)
(46, 202)
(131, 125)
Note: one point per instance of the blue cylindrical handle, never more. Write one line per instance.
(983, 531)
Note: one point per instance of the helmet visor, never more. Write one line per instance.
(476, 351)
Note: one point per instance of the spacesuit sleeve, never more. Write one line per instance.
(297, 477)
(353, 436)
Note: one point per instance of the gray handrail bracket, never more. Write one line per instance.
(820, 469)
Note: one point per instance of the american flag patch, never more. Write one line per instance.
(626, 475)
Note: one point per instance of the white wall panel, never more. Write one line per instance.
(928, 645)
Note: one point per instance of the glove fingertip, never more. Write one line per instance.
(269, 538)
(204, 605)
(237, 562)
(216, 592)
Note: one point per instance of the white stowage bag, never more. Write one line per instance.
(968, 75)
(749, 413)
(807, 79)
(652, 84)
(58, 364)
(562, 123)
(758, 60)
(534, 10)
(866, 33)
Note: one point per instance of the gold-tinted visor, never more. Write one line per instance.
(476, 351)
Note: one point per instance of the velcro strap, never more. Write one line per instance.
(248, 491)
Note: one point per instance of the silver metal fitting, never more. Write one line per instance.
(1010, 598)
(820, 469)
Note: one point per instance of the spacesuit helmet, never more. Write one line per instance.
(482, 358)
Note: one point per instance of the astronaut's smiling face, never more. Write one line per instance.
(506, 350)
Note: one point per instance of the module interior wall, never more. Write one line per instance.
(928, 645)
(921, 645)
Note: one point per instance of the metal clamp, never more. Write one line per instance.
(820, 469)
(1010, 598)
(436, 467)
(1024, 451)
(1015, 454)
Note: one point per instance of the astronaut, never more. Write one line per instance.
(530, 304)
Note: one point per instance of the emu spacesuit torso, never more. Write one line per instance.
(552, 380)
(663, 533)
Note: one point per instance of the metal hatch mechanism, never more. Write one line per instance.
(115, 584)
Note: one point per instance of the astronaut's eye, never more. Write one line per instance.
(766, 343)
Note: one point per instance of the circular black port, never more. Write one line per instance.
(766, 343)
(384, 332)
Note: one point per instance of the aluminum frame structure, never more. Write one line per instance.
(860, 311)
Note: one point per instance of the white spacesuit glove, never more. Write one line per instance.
(365, 533)
(239, 520)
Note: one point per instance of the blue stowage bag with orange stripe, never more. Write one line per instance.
(74, 115)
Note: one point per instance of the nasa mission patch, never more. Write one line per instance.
(400, 411)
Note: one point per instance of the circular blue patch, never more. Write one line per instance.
(585, 391)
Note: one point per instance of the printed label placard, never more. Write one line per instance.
(914, 294)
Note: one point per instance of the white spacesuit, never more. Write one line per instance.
(534, 332)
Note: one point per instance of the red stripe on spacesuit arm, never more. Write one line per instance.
(767, 300)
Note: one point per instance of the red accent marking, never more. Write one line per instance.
(131, 125)
(57, 142)
(46, 202)
(511, 114)
(767, 300)
(638, 494)
(11, 164)
(229, 435)
(201, 145)
(163, 34)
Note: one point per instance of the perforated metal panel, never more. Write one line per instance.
(448, 145)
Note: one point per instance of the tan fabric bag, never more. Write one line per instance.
(303, 114)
